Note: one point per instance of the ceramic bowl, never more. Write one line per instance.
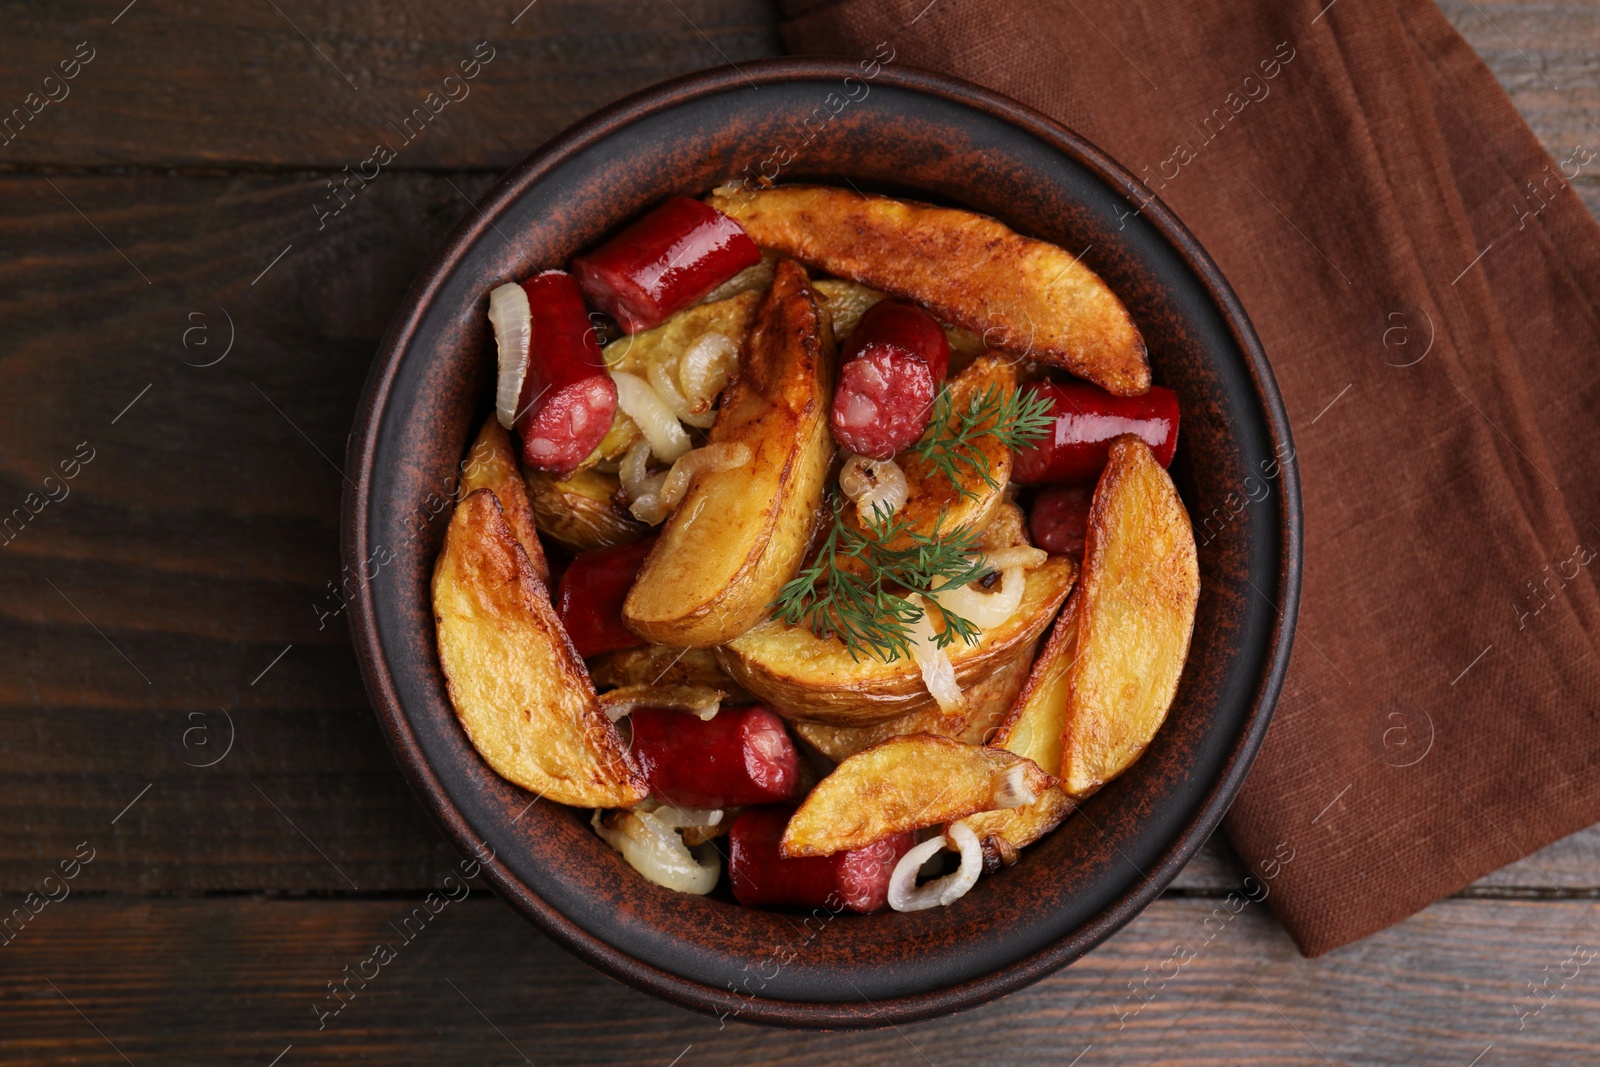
(897, 131)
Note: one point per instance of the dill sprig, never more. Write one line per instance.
(855, 602)
(1017, 417)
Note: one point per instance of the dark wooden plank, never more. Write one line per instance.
(239, 83)
(198, 543)
(1547, 58)
(242, 86)
(239, 981)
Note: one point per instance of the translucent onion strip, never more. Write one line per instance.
(986, 609)
(1025, 556)
(938, 673)
(906, 895)
(655, 419)
(705, 369)
(513, 333)
(656, 501)
(634, 469)
(656, 851)
(662, 383)
(874, 485)
(678, 818)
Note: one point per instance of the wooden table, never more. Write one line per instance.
(180, 698)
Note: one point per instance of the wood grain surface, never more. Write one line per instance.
(238, 981)
(176, 685)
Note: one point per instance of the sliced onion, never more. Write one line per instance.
(705, 369)
(906, 895)
(719, 457)
(1025, 556)
(634, 468)
(662, 383)
(678, 818)
(658, 496)
(877, 486)
(656, 851)
(701, 701)
(938, 673)
(654, 418)
(986, 609)
(513, 333)
(1013, 790)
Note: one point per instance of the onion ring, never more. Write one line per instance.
(906, 895)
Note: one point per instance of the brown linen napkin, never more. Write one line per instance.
(1425, 281)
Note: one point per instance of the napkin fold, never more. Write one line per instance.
(1425, 280)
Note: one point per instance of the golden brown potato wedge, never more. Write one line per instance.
(1136, 608)
(492, 464)
(929, 491)
(581, 511)
(1025, 296)
(665, 665)
(667, 342)
(1033, 729)
(803, 676)
(907, 783)
(518, 686)
(739, 535)
(988, 704)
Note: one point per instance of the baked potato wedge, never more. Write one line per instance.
(1025, 296)
(805, 677)
(1141, 584)
(581, 511)
(492, 464)
(738, 535)
(988, 704)
(930, 493)
(517, 684)
(1033, 729)
(906, 783)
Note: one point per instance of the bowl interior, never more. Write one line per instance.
(938, 141)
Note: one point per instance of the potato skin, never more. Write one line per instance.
(581, 510)
(492, 464)
(904, 783)
(805, 677)
(989, 702)
(1033, 729)
(1141, 585)
(739, 535)
(519, 689)
(1026, 296)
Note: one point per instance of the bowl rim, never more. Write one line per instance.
(380, 686)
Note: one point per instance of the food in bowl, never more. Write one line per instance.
(867, 567)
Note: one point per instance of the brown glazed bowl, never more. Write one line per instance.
(936, 139)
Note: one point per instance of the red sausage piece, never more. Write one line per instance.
(589, 598)
(667, 260)
(1086, 419)
(568, 400)
(1060, 519)
(858, 880)
(740, 756)
(889, 370)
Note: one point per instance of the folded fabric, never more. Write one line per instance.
(1425, 281)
